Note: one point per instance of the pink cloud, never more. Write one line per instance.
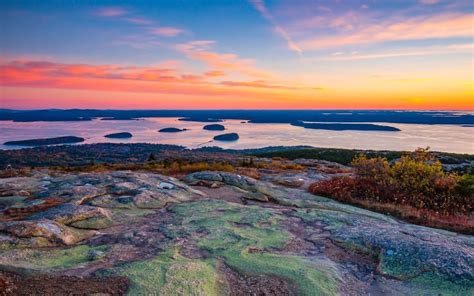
(258, 84)
(111, 12)
(166, 31)
(114, 78)
(418, 28)
(201, 50)
(429, 2)
(425, 51)
(139, 21)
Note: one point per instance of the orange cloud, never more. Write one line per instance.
(40, 74)
(436, 27)
(214, 73)
(200, 50)
(258, 84)
(48, 84)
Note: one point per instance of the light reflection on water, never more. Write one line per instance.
(448, 138)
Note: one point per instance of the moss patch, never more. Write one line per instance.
(430, 283)
(244, 237)
(171, 274)
(53, 259)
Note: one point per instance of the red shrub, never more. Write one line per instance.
(415, 184)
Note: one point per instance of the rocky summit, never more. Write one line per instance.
(212, 233)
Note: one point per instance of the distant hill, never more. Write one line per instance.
(253, 116)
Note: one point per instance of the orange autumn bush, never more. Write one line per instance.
(416, 180)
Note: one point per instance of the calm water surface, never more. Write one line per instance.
(448, 138)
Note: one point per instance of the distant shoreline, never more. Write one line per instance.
(252, 116)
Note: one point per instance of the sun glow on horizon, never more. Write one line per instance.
(278, 55)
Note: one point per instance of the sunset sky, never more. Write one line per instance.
(219, 54)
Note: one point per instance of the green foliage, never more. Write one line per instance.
(342, 156)
(465, 185)
(416, 180)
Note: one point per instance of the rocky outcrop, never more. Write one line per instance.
(43, 233)
(250, 236)
(63, 209)
(77, 216)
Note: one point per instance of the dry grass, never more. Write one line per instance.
(171, 168)
(21, 172)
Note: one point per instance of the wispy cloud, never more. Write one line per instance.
(111, 12)
(425, 51)
(259, 5)
(166, 31)
(138, 20)
(259, 84)
(429, 2)
(416, 28)
(123, 14)
(201, 50)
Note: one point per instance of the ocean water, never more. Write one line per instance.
(447, 138)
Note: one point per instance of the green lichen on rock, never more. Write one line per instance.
(51, 259)
(442, 265)
(171, 274)
(244, 235)
(430, 283)
(93, 223)
(306, 277)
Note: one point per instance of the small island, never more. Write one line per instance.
(123, 135)
(346, 126)
(214, 127)
(200, 119)
(227, 137)
(46, 141)
(171, 130)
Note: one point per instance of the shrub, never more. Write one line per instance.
(339, 188)
(416, 181)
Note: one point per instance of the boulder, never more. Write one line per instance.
(81, 194)
(40, 233)
(253, 189)
(288, 181)
(78, 216)
(165, 185)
